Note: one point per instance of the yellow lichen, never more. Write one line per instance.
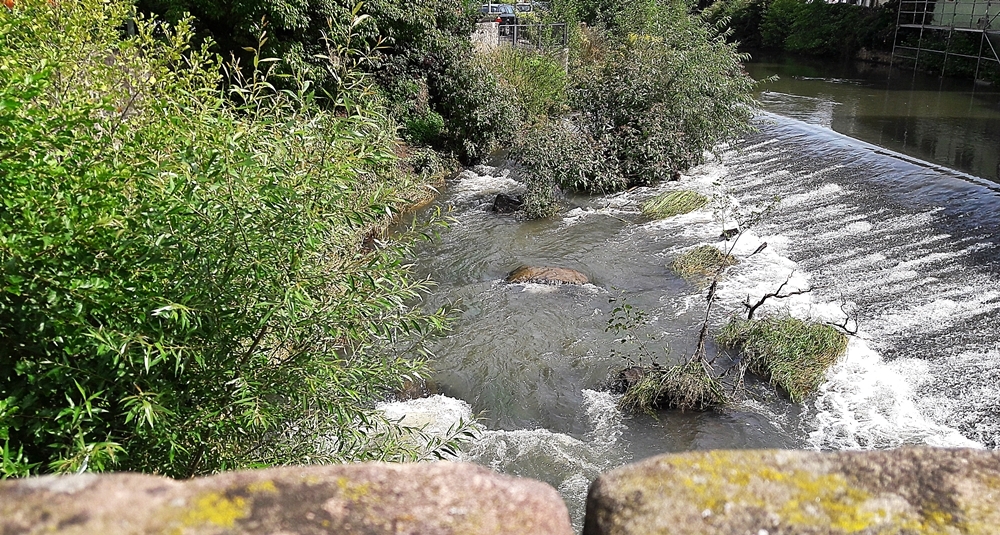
(352, 491)
(265, 485)
(216, 509)
(814, 499)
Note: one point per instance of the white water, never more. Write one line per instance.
(904, 253)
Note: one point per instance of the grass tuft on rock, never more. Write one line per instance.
(689, 386)
(673, 203)
(702, 261)
(793, 353)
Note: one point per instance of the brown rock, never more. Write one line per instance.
(547, 275)
(370, 499)
(905, 491)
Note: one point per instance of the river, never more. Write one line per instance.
(873, 219)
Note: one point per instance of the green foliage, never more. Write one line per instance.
(645, 102)
(794, 354)
(425, 67)
(552, 157)
(481, 116)
(673, 203)
(741, 18)
(688, 386)
(777, 21)
(701, 262)
(537, 80)
(816, 28)
(182, 284)
(425, 129)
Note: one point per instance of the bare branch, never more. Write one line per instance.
(776, 294)
(849, 317)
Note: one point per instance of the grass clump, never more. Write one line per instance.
(793, 353)
(673, 203)
(688, 386)
(701, 261)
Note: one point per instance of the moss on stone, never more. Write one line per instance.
(728, 491)
(673, 203)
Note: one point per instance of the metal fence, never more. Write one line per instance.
(928, 26)
(540, 36)
(951, 14)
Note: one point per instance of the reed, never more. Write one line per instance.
(673, 203)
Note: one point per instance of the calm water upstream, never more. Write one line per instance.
(870, 218)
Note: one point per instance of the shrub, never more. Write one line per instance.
(425, 128)
(646, 105)
(816, 28)
(701, 262)
(537, 80)
(480, 116)
(182, 287)
(552, 157)
(794, 354)
(692, 385)
(776, 24)
(673, 203)
(742, 19)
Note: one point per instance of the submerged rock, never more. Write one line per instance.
(371, 499)
(911, 490)
(507, 204)
(546, 275)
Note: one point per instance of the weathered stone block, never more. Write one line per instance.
(371, 499)
(905, 491)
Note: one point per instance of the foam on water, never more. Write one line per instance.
(867, 403)
(899, 268)
(565, 462)
(483, 183)
(435, 415)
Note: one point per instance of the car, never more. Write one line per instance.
(523, 7)
(501, 13)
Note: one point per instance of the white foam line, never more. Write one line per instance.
(864, 403)
(868, 404)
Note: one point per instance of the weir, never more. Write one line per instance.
(908, 248)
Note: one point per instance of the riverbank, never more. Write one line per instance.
(845, 31)
(191, 280)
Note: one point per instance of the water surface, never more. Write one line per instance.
(954, 123)
(907, 247)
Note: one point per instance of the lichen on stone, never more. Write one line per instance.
(216, 509)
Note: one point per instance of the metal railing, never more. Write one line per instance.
(940, 19)
(959, 15)
(540, 36)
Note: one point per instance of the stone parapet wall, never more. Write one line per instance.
(910, 491)
(369, 499)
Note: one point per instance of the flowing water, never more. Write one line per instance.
(907, 247)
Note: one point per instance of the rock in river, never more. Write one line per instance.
(547, 275)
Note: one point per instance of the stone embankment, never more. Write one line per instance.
(905, 491)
